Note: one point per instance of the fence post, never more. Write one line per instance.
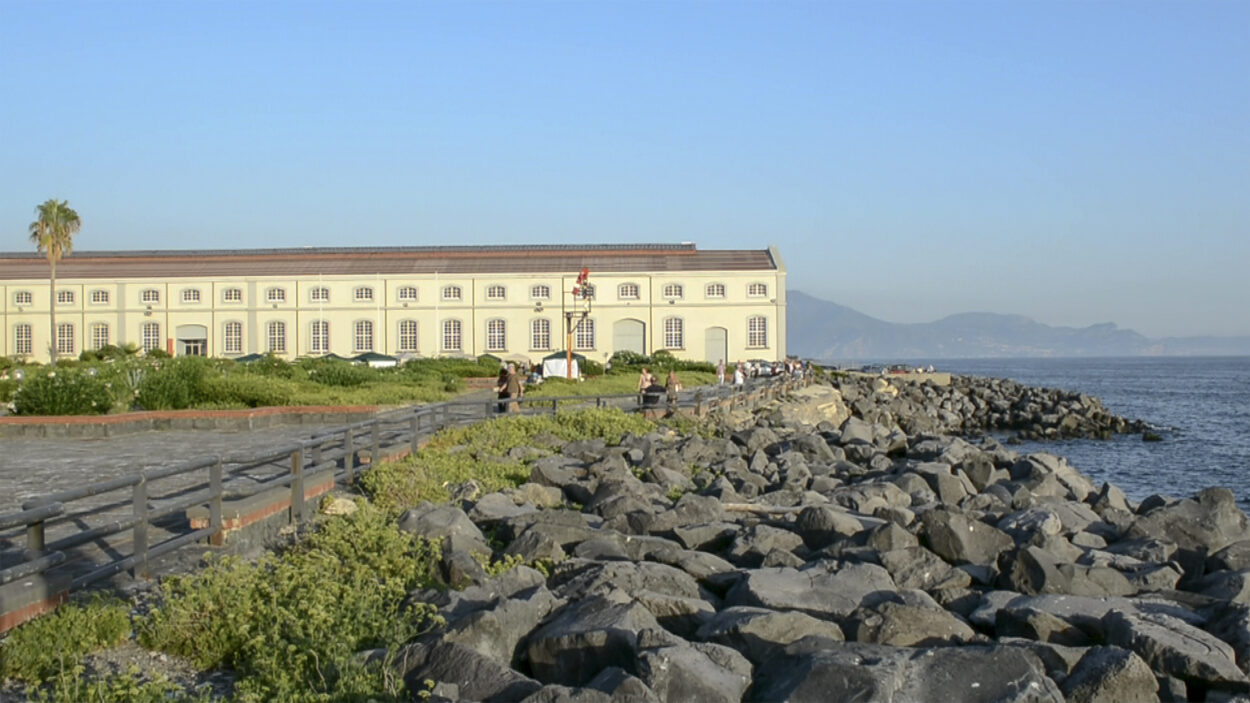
(414, 424)
(140, 505)
(214, 505)
(698, 403)
(555, 406)
(34, 537)
(297, 487)
(316, 455)
(375, 455)
(349, 454)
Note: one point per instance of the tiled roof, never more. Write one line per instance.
(450, 260)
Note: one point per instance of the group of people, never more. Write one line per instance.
(759, 369)
(649, 387)
(510, 387)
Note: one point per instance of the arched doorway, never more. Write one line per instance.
(629, 335)
(716, 345)
(192, 340)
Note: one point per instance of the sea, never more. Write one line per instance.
(1200, 406)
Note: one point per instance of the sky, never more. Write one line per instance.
(1074, 162)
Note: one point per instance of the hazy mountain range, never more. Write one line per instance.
(820, 329)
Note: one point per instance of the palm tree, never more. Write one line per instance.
(53, 234)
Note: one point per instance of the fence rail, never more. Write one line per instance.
(146, 516)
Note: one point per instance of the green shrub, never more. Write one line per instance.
(340, 374)
(244, 390)
(40, 649)
(61, 391)
(174, 384)
(157, 354)
(291, 624)
(7, 388)
(130, 687)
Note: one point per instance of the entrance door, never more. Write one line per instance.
(192, 340)
(716, 345)
(629, 335)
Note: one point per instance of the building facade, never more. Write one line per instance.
(510, 301)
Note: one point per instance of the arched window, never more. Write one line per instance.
(364, 294)
(758, 290)
(540, 334)
(715, 290)
(23, 339)
(408, 294)
(757, 332)
(64, 297)
(99, 335)
(496, 293)
(673, 290)
(276, 334)
(627, 291)
(451, 293)
(151, 333)
(65, 338)
(232, 295)
(150, 295)
(453, 340)
(319, 337)
(584, 335)
(496, 335)
(232, 338)
(99, 297)
(275, 295)
(540, 291)
(674, 333)
(23, 297)
(408, 335)
(320, 294)
(191, 295)
(364, 336)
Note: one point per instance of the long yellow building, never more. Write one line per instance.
(511, 301)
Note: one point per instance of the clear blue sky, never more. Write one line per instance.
(1075, 162)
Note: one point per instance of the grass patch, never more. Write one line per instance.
(480, 453)
(611, 384)
(38, 650)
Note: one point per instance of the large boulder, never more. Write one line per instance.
(477, 677)
(446, 524)
(760, 633)
(811, 406)
(587, 636)
(1174, 647)
(960, 539)
(687, 673)
(815, 590)
(822, 671)
(903, 625)
(1200, 526)
(1110, 674)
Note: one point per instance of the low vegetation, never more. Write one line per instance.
(108, 381)
(483, 453)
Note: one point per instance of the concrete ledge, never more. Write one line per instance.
(239, 514)
(28, 598)
(98, 426)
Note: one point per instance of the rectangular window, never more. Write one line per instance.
(496, 335)
(407, 336)
(540, 334)
(23, 297)
(65, 338)
(320, 338)
(757, 332)
(364, 336)
(23, 339)
(151, 336)
(452, 338)
(673, 333)
(232, 340)
(99, 335)
(584, 335)
(277, 337)
(758, 290)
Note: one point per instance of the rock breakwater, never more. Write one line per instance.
(823, 551)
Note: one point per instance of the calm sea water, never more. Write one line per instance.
(1200, 405)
